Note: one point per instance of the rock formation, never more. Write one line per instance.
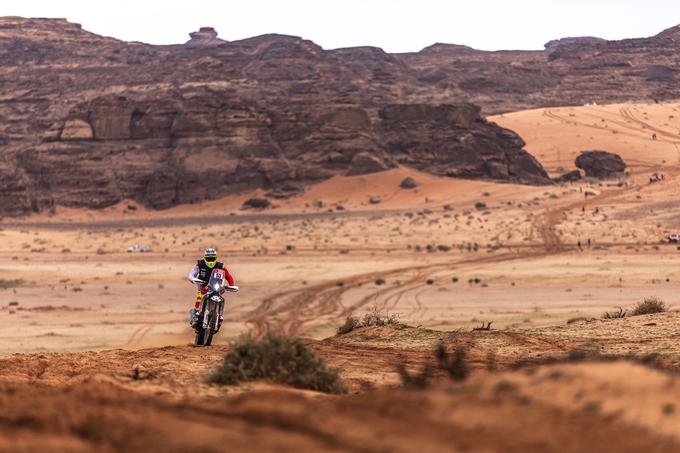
(601, 164)
(408, 183)
(206, 36)
(89, 121)
(571, 176)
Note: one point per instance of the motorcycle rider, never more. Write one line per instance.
(202, 271)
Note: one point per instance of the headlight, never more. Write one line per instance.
(217, 286)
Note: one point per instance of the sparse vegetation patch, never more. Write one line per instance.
(370, 319)
(5, 284)
(281, 359)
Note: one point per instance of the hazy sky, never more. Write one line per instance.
(395, 25)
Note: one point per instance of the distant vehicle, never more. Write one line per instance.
(673, 238)
(139, 249)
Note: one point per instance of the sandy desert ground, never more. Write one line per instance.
(449, 255)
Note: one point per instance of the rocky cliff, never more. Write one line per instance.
(88, 121)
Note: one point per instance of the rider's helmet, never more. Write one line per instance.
(210, 257)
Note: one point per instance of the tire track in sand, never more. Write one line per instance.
(293, 312)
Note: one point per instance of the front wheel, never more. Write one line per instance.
(199, 337)
(207, 336)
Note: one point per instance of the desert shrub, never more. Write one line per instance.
(5, 284)
(454, 364)
(581, 319)
(649, 306)
(486, 326)
(454, 279)
(417, 379)
(379, 281)
(620, 313)
(280, 359)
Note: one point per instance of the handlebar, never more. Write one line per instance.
(232, 289)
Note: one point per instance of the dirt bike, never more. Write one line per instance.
(207, 319)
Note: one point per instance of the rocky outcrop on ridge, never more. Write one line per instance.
(206, 36)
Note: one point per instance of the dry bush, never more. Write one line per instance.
(5, 284)
(454, 364)
(649, 306)
(280, 359)
(373, 318)
(415, 380)
(484, 326)
(621, 313)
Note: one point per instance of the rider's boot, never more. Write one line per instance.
(195, 312)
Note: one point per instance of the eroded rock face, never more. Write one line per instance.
(198, 145)
(601, 164)
(76, 129)
(467, 145)
(365, 164)
(89, 120)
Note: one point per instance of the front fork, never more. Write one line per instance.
(217, 322)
